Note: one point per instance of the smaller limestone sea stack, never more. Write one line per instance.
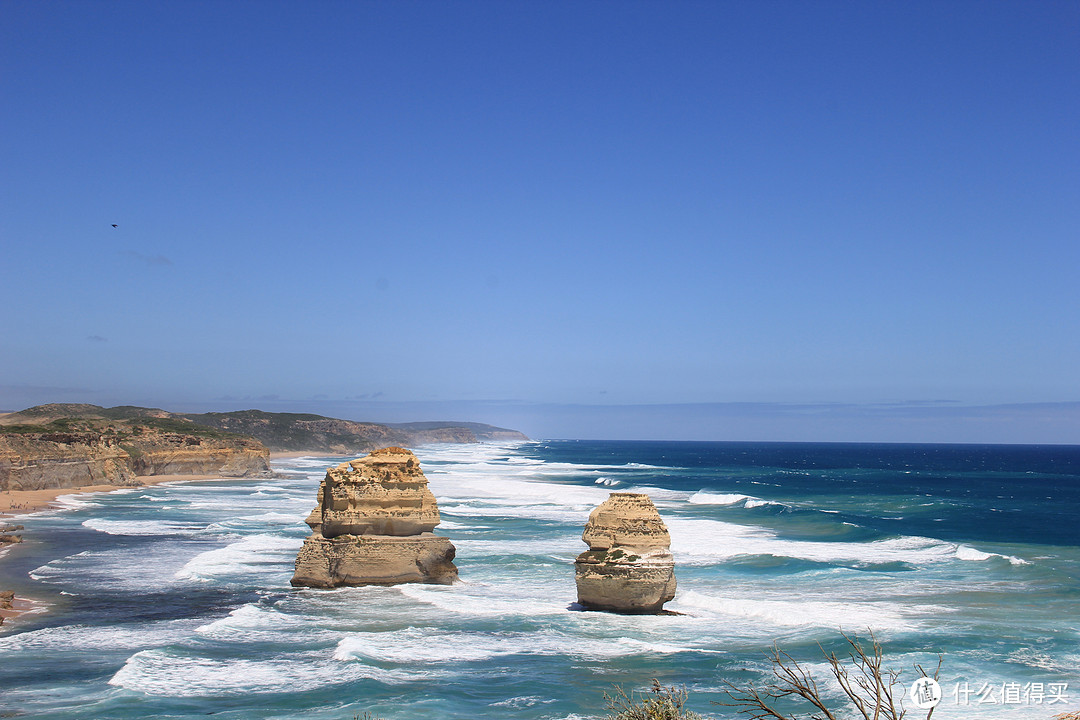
(7, 601)
(628, 567)
(10, 533)
(372, 526)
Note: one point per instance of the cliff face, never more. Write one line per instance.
(628, 567)
(69, 445)
(62, 460)
(372, 526)
(95, 453)
(178, 454)
(7, 600)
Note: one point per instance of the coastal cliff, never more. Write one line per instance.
(45, 448)
(372, 526)
(302, 432)
(66, 445)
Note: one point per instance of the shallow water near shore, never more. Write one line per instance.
(174, 600)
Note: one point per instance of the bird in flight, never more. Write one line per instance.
(115, 225)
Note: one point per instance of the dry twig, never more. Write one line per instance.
(873, 690)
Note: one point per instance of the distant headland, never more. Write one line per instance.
(67, 445)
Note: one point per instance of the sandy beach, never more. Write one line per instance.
(20, 502)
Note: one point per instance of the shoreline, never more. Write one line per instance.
(15, 503)
(21, 605)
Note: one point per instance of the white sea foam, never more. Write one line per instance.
(659, 495)
(144, 527)
(451, 525)
(755, 502)
(488, 545)
(248, 617)
(76, 502)
(254, 624)
(523, 701)
(97, 639)
(112, 569)
(800, 612)
(267, 518)
(965, 552)
(256, 554)
(703, 497)
(704, 542)
(430, 645)
(480, 599)
(179, 674)
(570, 515)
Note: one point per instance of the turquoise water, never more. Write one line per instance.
(174, 601)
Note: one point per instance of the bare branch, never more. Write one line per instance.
(874, 691)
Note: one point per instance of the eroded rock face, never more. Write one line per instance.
(61, 460)
(7, 599)
(372, 526)
(628, 567)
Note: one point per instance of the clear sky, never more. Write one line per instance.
(709, 220)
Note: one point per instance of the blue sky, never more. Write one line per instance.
(718, 220)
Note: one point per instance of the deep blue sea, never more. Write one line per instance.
(174, 601)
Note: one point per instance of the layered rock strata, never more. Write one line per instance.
(628, 567)
(7, 601)
(8, 534)
(373, 526)
(37, 461)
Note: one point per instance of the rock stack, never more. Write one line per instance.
(7, 600)
(10, 533)
(628, 567)
(372, 526)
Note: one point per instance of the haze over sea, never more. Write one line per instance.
(174, 600)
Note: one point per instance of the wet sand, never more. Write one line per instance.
(21, 502)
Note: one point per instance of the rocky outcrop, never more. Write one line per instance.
(9, 534)
(7, 602)
(62, 460)
(119, 455)
(181, 454)
(373, 526)
(628, 567)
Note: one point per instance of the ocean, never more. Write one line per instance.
(173, 601)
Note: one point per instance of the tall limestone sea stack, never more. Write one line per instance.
(628, 567)
(373, 526)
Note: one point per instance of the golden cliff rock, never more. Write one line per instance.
(628, 567)
(372, 526)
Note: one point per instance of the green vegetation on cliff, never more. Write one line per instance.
(59, 446)
(305, 432)
(281, 432)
